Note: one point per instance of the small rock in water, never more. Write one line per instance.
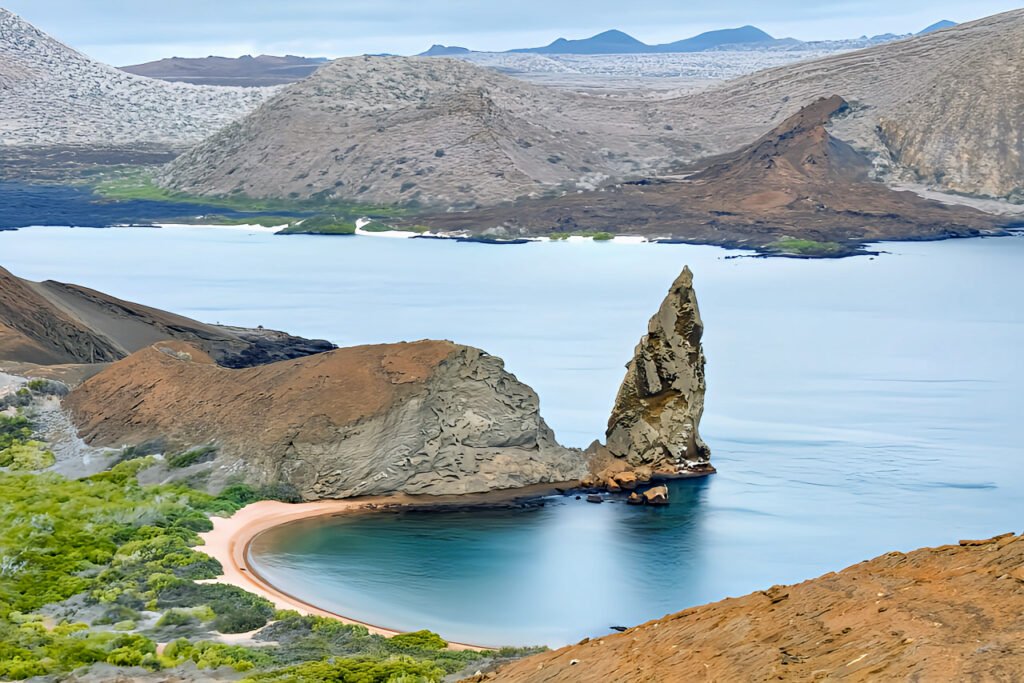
(594, 498)
(635, 499)
(657, 496)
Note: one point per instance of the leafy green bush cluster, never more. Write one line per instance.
(802, 247)
(28, 648)
(192, 457)
(207, 655)
(17, 449)
(13, 430)
(596, 236)
(355, 670)
(123, 549)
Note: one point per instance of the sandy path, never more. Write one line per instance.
(229, 541)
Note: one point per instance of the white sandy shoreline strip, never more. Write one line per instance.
(228, 543)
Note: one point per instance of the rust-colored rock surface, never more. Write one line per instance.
(428, 417)
(954, 613)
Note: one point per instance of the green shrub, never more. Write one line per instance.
(177, 617)
(237, 611)
(356, 670)
(196, 455)
(14, 430)
(419, 640)
(28, 456)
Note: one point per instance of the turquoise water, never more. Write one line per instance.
(855, 407)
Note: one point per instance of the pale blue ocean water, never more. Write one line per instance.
(854, 407)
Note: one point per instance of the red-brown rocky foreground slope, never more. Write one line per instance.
(954, 613)
(428, 417)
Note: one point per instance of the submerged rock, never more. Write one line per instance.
(655, 421)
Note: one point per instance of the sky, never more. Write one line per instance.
(124, 32)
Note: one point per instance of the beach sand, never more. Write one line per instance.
(229, 540)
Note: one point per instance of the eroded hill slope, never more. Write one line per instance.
(937, 614)
(55, 96)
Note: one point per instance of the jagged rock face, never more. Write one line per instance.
(421, 418)
(657, 412)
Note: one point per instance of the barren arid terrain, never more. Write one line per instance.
(54, 96)
(937, 614)
(441, 132)
(796, 182)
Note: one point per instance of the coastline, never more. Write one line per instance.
(229, 540)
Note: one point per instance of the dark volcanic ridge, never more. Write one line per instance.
(798, 182)
(246, 71)
(51, 322)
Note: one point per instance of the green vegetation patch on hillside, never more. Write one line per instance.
(101, 569)
(596, 236)
(138, 184)
(803, 247)
(321, 225)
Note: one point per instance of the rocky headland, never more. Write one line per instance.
(226, 405)
(428, 417)
(937, 614)
(50, 323)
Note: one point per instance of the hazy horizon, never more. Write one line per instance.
(319, 28)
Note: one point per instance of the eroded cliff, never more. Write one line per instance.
(427, 417)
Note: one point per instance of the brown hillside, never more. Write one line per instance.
(797, 181)
(939, 614)
(424, 417)
(53, 323)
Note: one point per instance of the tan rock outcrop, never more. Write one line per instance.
(429, 417)
(657, 412)
(656, 496)
(938, 614)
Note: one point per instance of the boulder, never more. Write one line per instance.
(657, 495)
(626, 481)
(635, 499)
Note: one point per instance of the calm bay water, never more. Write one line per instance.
(854, 407)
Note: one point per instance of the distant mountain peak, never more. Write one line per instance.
(938, 26)
(438, 50)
